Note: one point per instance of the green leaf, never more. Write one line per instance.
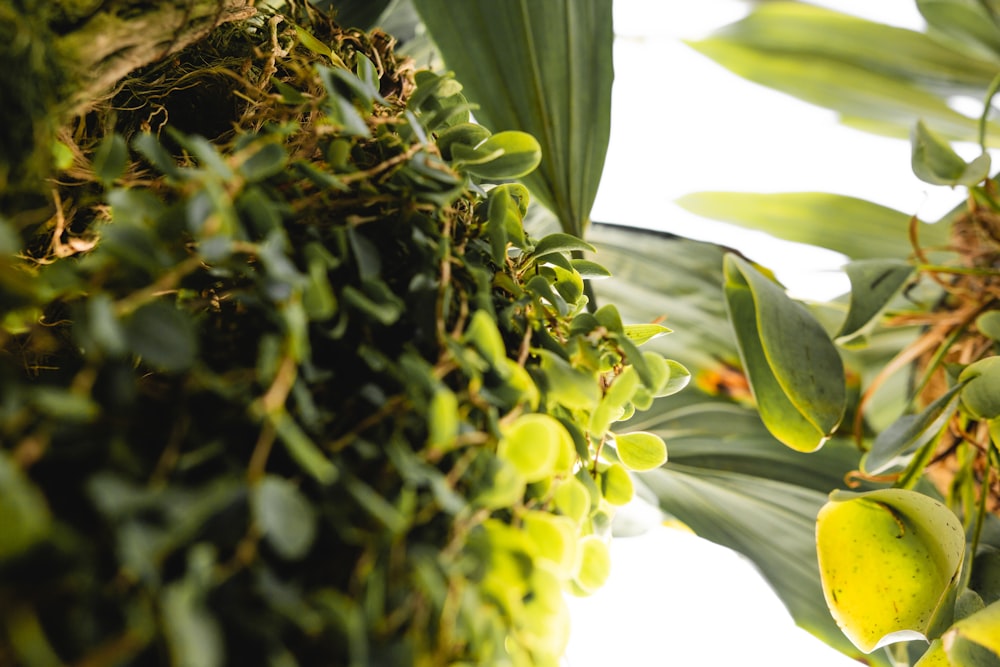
(988, 324)
(284, 516)
(795, 372)
(26, 518)
(874, 283)
(616, 485)
(533, 443)
(502, 156)
(442, 419)
(851, 226)
(268, 160)
(643, 333)
(595, 564)
(888, 562)
(935, 162)
(544, 68)
(896, 444)
(304, 451)
(162, 336)
(641, 450)
(464, 134)
(560, 243)
(981, 394)
(589, 270)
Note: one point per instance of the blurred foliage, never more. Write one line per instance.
(284, 380)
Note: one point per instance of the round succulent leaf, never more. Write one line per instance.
(554, 537)
(616, 485)
(533, 443)
(988, 324)
(284, 516)
(506, 488)
(442, 419)
(643, 333)
(641, 450)
(594, 566)
(504, 155)
(574, 388)
(888, 562)
(678, 378)
(981, 394)
(572, 499)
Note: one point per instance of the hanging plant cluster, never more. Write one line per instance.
(286, 382)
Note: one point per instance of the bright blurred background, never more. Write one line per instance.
(681, 124)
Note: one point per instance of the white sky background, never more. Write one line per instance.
(681, 124)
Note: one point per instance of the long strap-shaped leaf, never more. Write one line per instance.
(543, 68)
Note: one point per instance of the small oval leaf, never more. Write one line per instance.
(641, 450)
(285, 517)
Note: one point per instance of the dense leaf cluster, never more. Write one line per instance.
(304, 391)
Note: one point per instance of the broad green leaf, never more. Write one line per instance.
(874, 283)
(504, 155)
(896, 444)
(935, 656)
(26, 519)
(641, 450)
(888, 561)
(937, 163)
(885, 77)
(795, 372)
(286, 518)
(544, 68)
(853, 227)
(642, 333)
(981, 394)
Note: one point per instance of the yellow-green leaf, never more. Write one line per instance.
(595, 564)
(641, 450)
(643, 333)
(888, 563)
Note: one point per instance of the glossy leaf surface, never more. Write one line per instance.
(795, 372)
(888, 561)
